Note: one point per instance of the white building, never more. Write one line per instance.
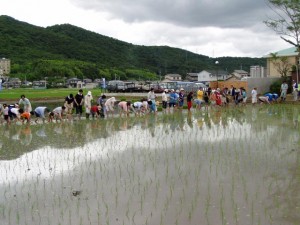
(173, 77)
(257, 71)
(207, 76)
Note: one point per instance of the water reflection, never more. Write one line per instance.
(244, 161)
(71, 135)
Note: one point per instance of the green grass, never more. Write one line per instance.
(32, 94)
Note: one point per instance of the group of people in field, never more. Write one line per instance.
(170, 100)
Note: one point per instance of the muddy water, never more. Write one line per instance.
(231, 166)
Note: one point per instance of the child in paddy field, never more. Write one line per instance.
(254, 96)
(138, 108)
(95, 110)
(13, 112)
(24, 116)
(57, 113)
(5, 113)
(189, 100)
(218, 97)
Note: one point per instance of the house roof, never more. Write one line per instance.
(240, 71)
(192, 74)
(173, 75)
(285, 52)
(223, 72)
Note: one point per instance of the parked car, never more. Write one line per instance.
(122, 86)
(116, 86)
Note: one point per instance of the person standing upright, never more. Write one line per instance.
(283, 91)
(151, 97)
(78, 103)
(295, 90)
(26, 103)
(88, 104)
(164, 99)
(254, 96)
(181, 98)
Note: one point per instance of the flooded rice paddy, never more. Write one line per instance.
(227, 166)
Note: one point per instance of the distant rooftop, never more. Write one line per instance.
(285, 52)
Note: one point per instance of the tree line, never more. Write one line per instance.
(65, 51)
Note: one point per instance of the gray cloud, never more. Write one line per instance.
(185, 13)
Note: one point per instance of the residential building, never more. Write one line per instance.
(257, 71)
(173, 77)
(292, 57)
(72, 82)
(4, 66)
(240, 73)
(207, 75)
(192, 76)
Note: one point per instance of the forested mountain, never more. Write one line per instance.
(64, 51)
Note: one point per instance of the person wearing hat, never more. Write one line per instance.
(173, 99)
(181, 98)
(78, 103)
(164, 98)
(88, 104)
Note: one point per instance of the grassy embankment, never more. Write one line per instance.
(12, 95)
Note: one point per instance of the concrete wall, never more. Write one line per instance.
(223, 84)
(262, 84)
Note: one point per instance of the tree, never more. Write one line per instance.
(282, 64)
(287, 21)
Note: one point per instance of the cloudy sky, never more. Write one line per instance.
(213, 28)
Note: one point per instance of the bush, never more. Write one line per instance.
(275, 87)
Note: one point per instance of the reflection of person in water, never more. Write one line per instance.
(41, 132)
(189, 120)
(25, 135)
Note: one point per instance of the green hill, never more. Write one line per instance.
(64, 51)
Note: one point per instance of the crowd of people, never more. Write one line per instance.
(170, 100)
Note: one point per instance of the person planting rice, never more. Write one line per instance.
(264, 99)
(95, 111)
(57, 113)
(124, 108)
(109, 106)
(13, 112)
(40, 113)
(69, 101)
(24, 116)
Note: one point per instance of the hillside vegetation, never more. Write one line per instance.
(64, 51)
